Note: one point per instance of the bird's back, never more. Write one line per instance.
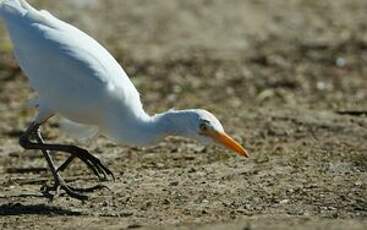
(71, 72)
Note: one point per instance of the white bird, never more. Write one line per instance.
(79, 79)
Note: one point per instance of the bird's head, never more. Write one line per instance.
(202, 126)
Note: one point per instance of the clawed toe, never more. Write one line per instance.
(51, 192)
(99, 169)
(90, 189)
(92, 162)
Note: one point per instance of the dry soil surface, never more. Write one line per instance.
(287, 78)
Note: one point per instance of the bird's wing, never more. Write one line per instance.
(11, 7)
(22, 7)
(39, 32)
(40, 36)
(57, 58)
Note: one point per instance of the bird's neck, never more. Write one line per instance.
(144, 129)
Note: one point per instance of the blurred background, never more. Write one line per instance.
(279, 74)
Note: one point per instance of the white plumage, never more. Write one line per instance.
(79, 79)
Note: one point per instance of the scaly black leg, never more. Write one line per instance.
(91, 161)
(66, 164)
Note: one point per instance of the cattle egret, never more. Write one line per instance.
(75, 77)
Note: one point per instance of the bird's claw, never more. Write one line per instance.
(51, 192)
(95, 164)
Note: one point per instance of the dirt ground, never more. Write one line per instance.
(282, 76)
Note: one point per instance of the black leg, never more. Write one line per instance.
(66, 164)
(91, 161)
(60, 183)
(85, 156)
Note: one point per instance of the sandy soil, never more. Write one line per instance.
(282, 76)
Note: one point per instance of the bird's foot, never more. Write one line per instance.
(93, 163)
(53, 191)
(100, 170)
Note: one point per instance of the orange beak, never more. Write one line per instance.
(229, 142)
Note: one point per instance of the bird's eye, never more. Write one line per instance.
(204, 126)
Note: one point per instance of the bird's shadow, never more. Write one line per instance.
(11, 209)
